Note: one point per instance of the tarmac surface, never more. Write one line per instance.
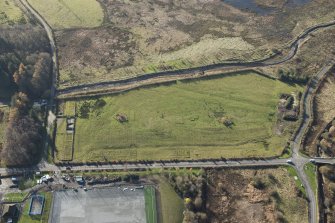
(112, 205)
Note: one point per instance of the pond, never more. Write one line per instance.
(252, 6)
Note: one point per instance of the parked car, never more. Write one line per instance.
(289, 162)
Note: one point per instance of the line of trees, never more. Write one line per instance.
(192, 188)
(34, 80)
(292, 76)
(19, 44)
(23, 134)
(25, 68)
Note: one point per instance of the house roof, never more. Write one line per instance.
(9, 209)
(79, 178)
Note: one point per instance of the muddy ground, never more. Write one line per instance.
(254, 196)
(149, 36)
(324, 112)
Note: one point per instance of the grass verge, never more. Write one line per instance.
(293, 173)
(310, 170)
(150, 204)
(172, 206)
(15, 197)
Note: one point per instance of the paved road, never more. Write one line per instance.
(190, 164)
(82, 90)
(297, 160)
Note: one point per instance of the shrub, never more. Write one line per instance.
(100, 103)
(84, 110)
(198, 202)
(259, 184)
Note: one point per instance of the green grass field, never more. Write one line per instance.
(10, 13)
(172, 206)
(150, 204)
(14, 197)
(62, 14)
(64, 141)
(69, 109)
(183, 121)
(310, 171)
(26, 218)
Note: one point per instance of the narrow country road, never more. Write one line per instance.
(190, 164)
(52, 45)
(51, 107)
(108, 86)
(297, 160)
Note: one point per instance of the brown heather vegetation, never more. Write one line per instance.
(148, 36)
(254, 196)
(328, 178)
(324, 113)
(310, 58)
(261, 195)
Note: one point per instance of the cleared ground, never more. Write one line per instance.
(99, 205)
(255, 196)
(70, 13)
(148, 36)
(10, 13)
(183, 121)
